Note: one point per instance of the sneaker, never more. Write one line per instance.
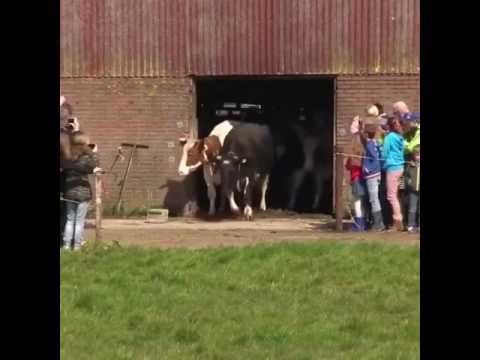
(410, 229)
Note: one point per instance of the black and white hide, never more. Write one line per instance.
(316, 149)
(246, 161)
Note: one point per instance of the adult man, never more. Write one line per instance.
(400, 108)
(411, 131)
(411, 135)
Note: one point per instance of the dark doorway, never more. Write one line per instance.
(284, 103)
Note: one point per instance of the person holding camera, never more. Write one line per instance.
(77, 189)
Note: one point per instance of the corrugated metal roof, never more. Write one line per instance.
(136, 38)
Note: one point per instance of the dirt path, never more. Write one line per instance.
(195, 233)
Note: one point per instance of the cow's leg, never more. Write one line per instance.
(297, 180)
(212, 193)
(264, 183)
(318, 183)
(248, 211)
(233, 205)
(223, 203)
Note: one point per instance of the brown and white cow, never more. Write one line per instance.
(202, 152)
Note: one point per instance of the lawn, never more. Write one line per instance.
(327, 300)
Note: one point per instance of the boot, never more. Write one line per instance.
(358, 224)
(378, 221)
(398, 225)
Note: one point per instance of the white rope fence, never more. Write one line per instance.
(361, 156)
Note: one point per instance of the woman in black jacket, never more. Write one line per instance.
(77, 190)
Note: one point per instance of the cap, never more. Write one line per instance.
(411, 116)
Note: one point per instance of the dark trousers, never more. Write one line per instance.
(63, 219)
(413, 209)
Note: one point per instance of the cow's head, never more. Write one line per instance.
(193, 154)
(233, 172)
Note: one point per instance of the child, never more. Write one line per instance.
(371, 170)
(77, 188)
(354, 165)
(412, 182)
(393, 165)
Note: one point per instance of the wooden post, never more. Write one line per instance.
(98, 208)
(339, 171)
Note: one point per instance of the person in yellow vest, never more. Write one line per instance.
(411, 127)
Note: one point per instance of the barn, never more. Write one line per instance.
(147, 71)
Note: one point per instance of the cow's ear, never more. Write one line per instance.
(244, 161)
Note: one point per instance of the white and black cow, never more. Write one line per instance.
(246, 159)
(202, 152)
(316, 148)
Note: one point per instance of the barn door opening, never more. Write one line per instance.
(300, 112)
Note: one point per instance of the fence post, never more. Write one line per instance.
(339, 171)
(98, 208)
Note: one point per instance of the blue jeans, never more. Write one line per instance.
(413, 209)
(75, 223)
(373, 186)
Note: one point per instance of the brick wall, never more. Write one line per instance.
(354, 93)
(157, 111)
(154, 112)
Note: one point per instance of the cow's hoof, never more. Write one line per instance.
(263, 207)
(248, 213)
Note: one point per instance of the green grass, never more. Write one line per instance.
(287, 301)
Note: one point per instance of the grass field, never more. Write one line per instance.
(326, 300)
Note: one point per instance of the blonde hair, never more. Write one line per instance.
(372, 110)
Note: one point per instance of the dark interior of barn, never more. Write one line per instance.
(286, 105)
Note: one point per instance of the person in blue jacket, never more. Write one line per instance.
(371, 169)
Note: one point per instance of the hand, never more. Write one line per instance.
(75, 125)
(98, 170)
(354, 128)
